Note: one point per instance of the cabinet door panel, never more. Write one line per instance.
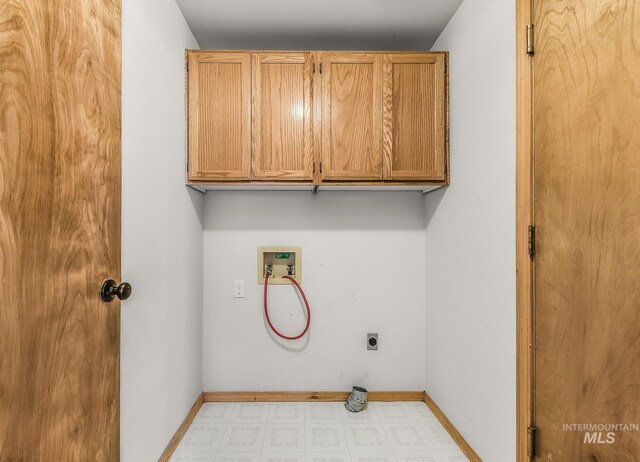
(414, 116)
(352, 116)
(282, 133)
(219, 87)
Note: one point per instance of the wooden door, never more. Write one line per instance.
(219, 115)
(281, 119)
(59, 229)
(414, 99)
(351, 116)
(586, 145)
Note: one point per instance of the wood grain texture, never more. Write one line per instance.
(219, 116)
(451, 429)
(293, 396)
(175, 441)
(447, 120)
(352, 116)
(281, 119)
(316, 109)
(59, 229)
(339, 136)
(414, 116)
(524, 218)
(587, 216)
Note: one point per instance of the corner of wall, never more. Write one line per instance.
(471, 235)
(162, 231)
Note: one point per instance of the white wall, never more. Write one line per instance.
(470, 239)
(363, 269)
(161, 362)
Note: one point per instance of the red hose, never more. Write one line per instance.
(266, 310)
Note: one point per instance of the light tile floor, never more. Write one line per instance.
(316, 432)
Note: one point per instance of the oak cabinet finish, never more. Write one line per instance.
(351, 121)
(414, 116)
(329, 118)
(282, 128)
(219, 116)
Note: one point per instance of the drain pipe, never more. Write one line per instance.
(357, 400)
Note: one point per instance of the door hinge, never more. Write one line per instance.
(532, 241)
(530, 49)
(531, 442)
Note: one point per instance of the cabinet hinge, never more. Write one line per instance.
(531, 442)
(532, 241)
(530, 49)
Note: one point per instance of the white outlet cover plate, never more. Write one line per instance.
(238, 289)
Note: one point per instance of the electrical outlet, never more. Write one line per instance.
(372, 341)
(238, 289)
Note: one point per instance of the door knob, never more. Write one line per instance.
(111, 290)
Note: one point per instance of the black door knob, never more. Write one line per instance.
(111, 290)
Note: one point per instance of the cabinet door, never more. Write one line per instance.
(351, 116)
(414, 116)
(282, 133)
(219, 115)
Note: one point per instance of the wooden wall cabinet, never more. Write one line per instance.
(219, 116)
(281, 119)
(325, 118)
(414, 124)
(351, 116)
